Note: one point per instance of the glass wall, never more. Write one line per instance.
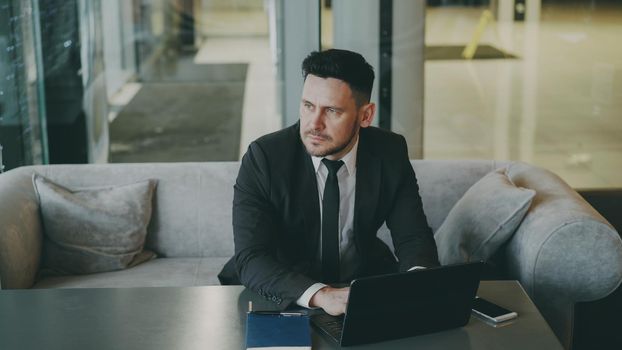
(51, 104)
(204, 83)
(21, 138)
(546, 89)
(198, 80)
(72, 65)
(136, 81)
(544, 84)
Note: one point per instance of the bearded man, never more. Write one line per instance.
(309, 199)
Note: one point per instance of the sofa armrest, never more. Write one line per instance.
(20, 230)
(564, 251)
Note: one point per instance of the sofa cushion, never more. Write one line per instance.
(161, 272)
(93, 229)
(483, 219)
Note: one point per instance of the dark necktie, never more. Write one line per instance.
(330, 223)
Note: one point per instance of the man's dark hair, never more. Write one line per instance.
(344, 65)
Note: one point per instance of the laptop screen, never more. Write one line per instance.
(407, 304)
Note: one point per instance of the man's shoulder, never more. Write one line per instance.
(279, 149)
(381, 141)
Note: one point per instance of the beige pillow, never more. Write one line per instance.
(482, 220)
(94, 229)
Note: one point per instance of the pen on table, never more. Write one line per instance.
(268, 312)
(276, 313)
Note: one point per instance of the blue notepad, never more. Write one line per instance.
(277, 331)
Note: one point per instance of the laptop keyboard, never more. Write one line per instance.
(332, 325)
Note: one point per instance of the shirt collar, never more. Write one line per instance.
(349, 159)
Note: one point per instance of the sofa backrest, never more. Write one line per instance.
(192, 205)
(442, 183)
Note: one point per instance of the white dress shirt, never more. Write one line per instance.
(348, 255)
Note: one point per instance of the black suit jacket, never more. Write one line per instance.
(276, 214)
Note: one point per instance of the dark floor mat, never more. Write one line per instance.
(183, 69)
(454, 52)
(175, 122)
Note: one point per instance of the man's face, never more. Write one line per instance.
(329, 117)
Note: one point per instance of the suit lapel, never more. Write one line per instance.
(368, 177)
(310, 202)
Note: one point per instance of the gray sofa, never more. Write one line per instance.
(563, 252)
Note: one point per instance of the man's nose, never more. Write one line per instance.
(317, 119)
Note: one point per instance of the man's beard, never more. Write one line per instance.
(336, 149)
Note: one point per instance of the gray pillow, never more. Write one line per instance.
(94, 229)
(482, 220)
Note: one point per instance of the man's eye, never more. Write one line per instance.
(308, 106)
(332, 111)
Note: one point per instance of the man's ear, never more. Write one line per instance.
(368, 112)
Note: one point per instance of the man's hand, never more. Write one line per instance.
(332, 300)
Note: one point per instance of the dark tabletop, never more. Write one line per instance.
(213, 317)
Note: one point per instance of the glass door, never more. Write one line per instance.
(22, 120)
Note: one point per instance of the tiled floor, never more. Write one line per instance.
(558, 106)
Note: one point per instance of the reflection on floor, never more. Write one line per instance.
(455, 52)
(260, 114)
(183, 112)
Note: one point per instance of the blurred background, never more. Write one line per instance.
(92, 81)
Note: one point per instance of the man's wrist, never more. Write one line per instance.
(305, 298)
(333, 300)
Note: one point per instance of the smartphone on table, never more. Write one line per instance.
(491, 311)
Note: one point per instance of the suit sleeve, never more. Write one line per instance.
(412, 237)
(256, 236)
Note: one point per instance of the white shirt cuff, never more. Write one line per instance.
(305, 298)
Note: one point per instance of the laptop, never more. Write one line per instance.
(404, 304)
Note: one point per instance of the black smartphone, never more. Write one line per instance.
(491, 311)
